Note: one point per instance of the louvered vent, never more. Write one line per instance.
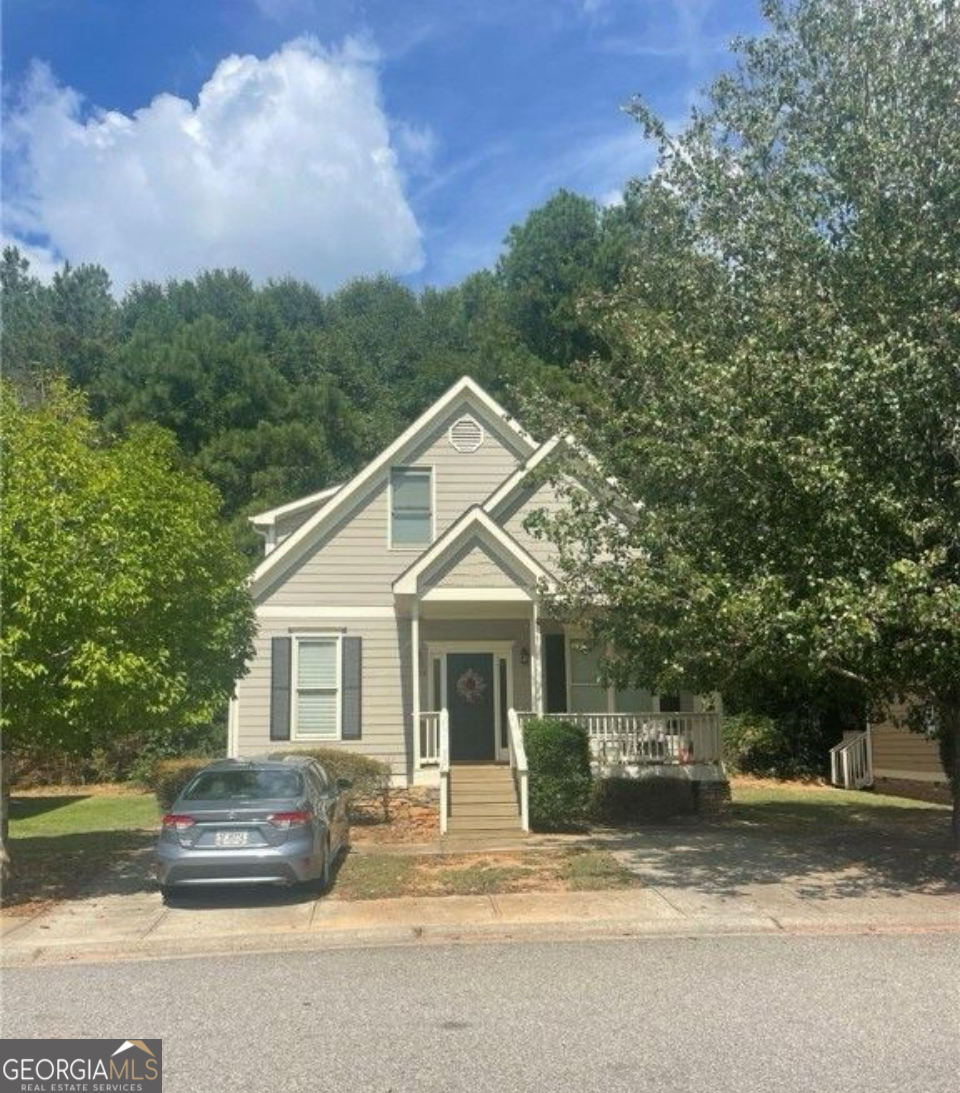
(466, 435)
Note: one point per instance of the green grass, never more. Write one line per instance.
(592, 870)
(76, 814)
(824, 809)
(387, 876)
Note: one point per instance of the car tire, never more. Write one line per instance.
(166, 893)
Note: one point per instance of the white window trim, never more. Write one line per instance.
(336, 637)
(412, 547)
(571, 636)
(499, 650)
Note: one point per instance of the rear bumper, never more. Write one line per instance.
(177, 865)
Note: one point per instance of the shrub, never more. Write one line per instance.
(793, 745)
(558, 755)
(370, 778)
(168, 777)
(626, 800)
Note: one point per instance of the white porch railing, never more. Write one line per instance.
(428, 738)
(444, 764)
(648, 738)
(518, 764)
(851, 765)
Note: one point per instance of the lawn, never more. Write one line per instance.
(386, 876)
(61, 838)
(801, 807)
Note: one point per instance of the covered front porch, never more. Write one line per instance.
(481, 669)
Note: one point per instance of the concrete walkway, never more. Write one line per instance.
(701, 881)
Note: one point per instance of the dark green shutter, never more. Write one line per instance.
(555, 657)
(351, 687)
(280, 658)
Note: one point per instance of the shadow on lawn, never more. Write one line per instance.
(25, 808)
(91, 863)
(826, 852)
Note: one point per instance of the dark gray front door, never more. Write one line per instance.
(471, 694)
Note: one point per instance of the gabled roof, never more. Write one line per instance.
(312, 528)
(506, 491)
(292, 508)
(474, 522)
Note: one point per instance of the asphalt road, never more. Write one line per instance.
(721, 1014)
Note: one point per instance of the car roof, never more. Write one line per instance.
(263, 763)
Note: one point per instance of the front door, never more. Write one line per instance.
(471, 703)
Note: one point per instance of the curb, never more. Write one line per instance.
(419, 936)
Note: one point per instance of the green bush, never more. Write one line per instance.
(167, 777)
(793, 745)
(370, 778)
(558, 756)
(627, 800)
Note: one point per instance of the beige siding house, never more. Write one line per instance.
(400, 615)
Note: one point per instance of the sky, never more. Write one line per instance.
(329, 139)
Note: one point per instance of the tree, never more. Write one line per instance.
(125, 609)
(781, 395)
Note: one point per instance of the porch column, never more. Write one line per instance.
(536, 660)
(415, 667)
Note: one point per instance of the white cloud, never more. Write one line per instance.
(282, 166)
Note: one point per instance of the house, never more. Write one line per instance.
(892, 758)
(401, 614)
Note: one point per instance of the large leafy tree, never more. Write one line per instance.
(125, 609)
(780, 392)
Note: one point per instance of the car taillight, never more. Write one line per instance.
(289, 819)
(181, 823)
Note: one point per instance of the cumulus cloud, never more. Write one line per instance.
(283, 165)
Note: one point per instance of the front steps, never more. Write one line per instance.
(483, 805)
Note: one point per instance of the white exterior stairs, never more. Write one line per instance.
(483, 804)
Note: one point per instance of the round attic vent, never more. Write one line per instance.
(466, 435)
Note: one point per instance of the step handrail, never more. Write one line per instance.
(444, 764)
(518, 764)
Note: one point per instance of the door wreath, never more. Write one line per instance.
(470, 687)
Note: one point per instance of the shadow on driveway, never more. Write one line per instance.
(906, 853)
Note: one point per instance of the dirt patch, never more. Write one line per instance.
(414, 817)
(93, 789)
(374, 876)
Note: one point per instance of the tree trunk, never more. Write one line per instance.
(5, 862)
(949, 716)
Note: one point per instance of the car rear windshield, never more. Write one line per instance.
(244, 785)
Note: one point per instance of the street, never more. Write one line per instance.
(815, 1014)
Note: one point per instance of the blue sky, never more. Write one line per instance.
(330, 138)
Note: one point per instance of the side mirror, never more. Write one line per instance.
(344, 783)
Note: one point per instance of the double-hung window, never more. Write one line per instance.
(411, 506)
(316, 709)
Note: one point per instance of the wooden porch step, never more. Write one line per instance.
(480, 775)
(483, 808)
(460, 824)
(481, 798)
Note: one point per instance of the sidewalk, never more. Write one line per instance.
(138, 926)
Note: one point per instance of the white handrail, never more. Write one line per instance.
(444, 763)
(649, 737)
(851, 765)
(428, 738)
(518, 762)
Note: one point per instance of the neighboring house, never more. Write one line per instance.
(400, 615)
(891, 757)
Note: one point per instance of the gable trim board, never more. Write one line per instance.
(292, 508)
(474, 522)
(507, 489)
(287, 553)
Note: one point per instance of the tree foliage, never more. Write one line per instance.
(781, 397)
(125, 610)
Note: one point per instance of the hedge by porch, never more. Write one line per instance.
(558, 758)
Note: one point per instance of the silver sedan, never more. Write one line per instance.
(256, 821)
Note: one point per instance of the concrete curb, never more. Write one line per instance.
(311, 940)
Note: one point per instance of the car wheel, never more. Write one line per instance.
(166, 893)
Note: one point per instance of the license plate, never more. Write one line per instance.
(230, 838)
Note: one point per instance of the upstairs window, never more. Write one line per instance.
(411, 506)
